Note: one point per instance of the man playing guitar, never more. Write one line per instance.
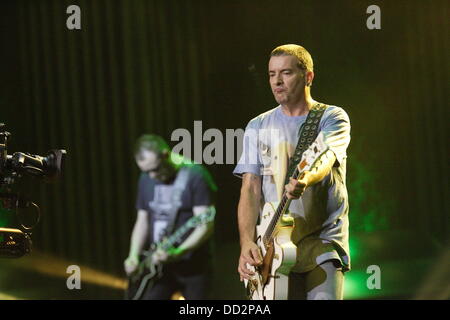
(172, 194)
(318, 197)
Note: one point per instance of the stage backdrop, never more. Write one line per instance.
(153, 66)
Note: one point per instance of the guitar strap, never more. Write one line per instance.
(177, 191)
(307, 134)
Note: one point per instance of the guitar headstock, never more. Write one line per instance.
(315, 150)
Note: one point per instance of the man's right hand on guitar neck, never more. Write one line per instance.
(250, 254)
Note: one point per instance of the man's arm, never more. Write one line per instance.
(200, 234)
(138, 240)
(321, 169)
(248, 210)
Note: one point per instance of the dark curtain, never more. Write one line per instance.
(135, 67)
(154, 66)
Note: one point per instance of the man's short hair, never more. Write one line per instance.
(305, 61)
(151, 142)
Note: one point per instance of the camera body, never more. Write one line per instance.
(14, 243)
(11, 166)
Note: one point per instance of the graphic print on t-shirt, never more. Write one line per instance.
(161, 206)
(275, 151)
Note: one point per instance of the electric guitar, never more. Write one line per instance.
(273, 237)
(147, 271)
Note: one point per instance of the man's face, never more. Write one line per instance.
(148, 161)
(287, 80)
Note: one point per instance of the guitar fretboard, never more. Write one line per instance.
(169, 242)
(282, 208)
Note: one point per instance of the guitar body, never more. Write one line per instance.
(143, 278)
(270, 281)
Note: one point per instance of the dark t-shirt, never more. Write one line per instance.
(154, 197)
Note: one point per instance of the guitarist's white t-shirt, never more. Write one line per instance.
(321, 214)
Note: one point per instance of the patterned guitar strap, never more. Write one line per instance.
(307, 134)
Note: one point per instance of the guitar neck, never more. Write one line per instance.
(167, 243)
(193, 222)
(282, 208)
(309, 158)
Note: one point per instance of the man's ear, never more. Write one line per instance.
(309, 78)
(165, 154)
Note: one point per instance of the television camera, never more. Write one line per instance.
(15, 243)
